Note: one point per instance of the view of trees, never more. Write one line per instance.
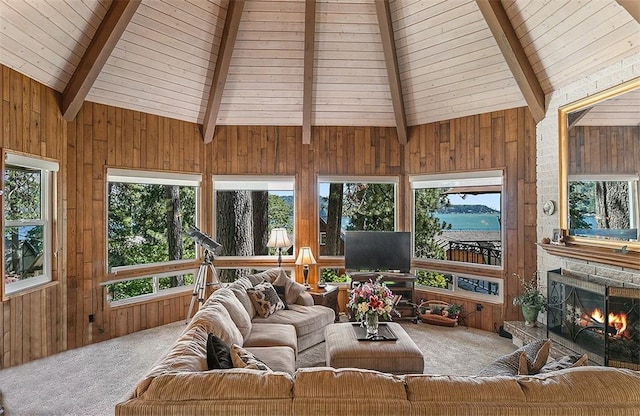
(605, 202)
(24, 230)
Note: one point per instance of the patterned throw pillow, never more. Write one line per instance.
(218, 353)
(508, 365)
(242, 358)
(568, 361)
(265, 299)
(537, 354)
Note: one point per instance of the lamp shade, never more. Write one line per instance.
(305, 256)
(279, 238)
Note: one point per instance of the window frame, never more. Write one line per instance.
(157, 293)
(465, 294)
(150, 178)
(385, 179)
(48, 174)
(492, 177)
(275, 183)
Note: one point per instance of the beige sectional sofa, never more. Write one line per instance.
(180, 384)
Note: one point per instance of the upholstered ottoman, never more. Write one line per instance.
(400, 356)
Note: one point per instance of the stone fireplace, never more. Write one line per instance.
(599, 317)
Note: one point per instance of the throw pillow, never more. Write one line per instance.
(508, 365)
(265, 299)
(537, 354)
(292, 289)
(280, 290)
(242, 358)
(218, 353)
(568, 361)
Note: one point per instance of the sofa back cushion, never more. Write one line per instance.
(213, 317)
(292, 289)
(586, 384)
(231, 384)
(238, 313)
(239, 288)
(436, 388)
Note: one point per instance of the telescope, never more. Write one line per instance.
(204, 240)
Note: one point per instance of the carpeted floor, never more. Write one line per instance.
(91, 380)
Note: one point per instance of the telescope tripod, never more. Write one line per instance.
(200, 284)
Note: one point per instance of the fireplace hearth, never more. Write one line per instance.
(595, 316)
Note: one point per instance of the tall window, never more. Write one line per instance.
(246, 210)
(355, 204)
(458, 217)
(28, 184)
(147, 215)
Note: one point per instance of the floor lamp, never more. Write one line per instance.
(279, 240)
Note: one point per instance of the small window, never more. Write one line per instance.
(148, 213)
(27, 241)
(354, 204)
(466, 286)
(458, 217)
(144, 287)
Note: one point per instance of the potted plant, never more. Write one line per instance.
(439, 313)
(531, 300)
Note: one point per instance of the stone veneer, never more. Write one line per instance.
(548, 169)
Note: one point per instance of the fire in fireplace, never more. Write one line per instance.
(601, 320)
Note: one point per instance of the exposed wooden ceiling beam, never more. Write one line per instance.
(105, 39)
(229, 34)
(631, 6)
(500, 25)
(393, 73)
(309, 52)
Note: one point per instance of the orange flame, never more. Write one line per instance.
(616, 321)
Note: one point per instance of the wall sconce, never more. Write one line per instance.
(279, 240)
(305, 258)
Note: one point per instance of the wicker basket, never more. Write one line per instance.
(430, 318)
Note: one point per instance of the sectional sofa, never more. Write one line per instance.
(180, 383)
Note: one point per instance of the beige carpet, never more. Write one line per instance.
(91, 380)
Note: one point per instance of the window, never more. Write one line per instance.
(458, 217)
(467, 286)
(27, 242)
(248, 208)
(147, 215)
(139, 288)
(354, 204)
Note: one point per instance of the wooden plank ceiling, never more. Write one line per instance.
(187, 60)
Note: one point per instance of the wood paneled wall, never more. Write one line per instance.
(498, 140)
(610, 149)
(103, 136)
(32, 324)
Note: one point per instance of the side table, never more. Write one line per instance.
(327, 296)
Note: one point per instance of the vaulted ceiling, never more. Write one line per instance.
(316, 62)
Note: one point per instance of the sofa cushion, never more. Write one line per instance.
(218, 353)
(585, 384)
(507, 365)
(567, 361)
(305, 319)
(238, 313)
(292, 289)
(240, 291)
(276, 358)
(271, 335)
(242, 358)
(441, 388)
(213, 317)
(265, 299)
(266, 276)
(232, 384)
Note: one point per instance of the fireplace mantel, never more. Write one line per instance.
(631, 260)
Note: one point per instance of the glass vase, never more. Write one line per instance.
(371, 323)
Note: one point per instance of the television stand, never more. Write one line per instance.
(400, 284)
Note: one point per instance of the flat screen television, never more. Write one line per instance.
(377, 251)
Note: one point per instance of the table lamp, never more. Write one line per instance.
(305, 258)
(279, 239)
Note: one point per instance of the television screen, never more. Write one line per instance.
(377, 251)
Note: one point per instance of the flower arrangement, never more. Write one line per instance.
(531, 295)
(372, 297)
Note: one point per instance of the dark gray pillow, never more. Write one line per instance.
(218, 353)
(280, 291)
